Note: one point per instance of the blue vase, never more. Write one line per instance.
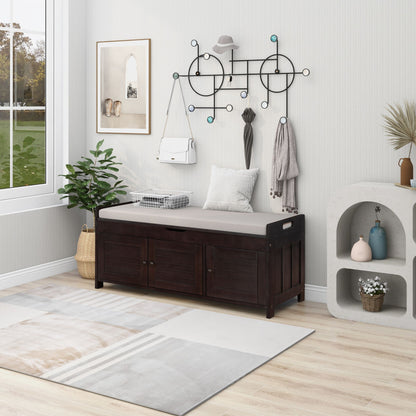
(377, 241)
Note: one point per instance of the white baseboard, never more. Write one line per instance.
(38, 272)
(315, 293)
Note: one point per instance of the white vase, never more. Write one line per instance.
(361, 251)
(117, 108)
(108, 105)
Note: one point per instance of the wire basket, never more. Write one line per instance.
(158, 198)
(372, 303)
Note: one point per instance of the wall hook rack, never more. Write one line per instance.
(276, 61)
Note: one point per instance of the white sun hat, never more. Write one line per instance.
(224, 43)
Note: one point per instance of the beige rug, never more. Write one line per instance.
(166, 357)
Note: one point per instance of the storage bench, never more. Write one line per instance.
(244, 258)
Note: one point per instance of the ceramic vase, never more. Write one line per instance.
(361, 251)
(378, 242)
(117, 108)
(108, 104)
(406, 170)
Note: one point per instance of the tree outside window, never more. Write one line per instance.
(22, 97)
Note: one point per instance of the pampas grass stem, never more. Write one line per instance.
(400, 125)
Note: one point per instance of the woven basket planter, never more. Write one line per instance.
(85, 256)
(372, 303)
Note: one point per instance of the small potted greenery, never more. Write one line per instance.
(92, 183)
(400, 125)
(372, 293)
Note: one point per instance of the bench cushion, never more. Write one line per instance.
(195, 217)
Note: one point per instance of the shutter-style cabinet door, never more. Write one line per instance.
(175, 266)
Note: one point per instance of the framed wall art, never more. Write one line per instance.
(123, 86)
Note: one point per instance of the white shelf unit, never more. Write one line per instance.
(351, 214)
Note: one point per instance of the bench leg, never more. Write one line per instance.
(301, 296)
(270, 311)
(98, 284)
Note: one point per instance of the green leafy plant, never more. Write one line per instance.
(400, 124)
(92, 181)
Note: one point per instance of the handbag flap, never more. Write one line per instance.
(174, 144)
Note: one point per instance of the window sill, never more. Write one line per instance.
(34, 203)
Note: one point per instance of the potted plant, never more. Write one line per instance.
(92, 183)
(400, 124)
(372, 293)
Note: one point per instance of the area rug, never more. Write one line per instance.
(163, 356)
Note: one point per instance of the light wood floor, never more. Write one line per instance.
(344, 368)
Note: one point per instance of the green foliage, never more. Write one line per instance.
(28, 166)
(28, 67)
(92, 182)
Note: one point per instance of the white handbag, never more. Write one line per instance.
(177, 149)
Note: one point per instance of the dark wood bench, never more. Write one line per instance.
(243, 258)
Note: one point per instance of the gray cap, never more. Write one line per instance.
(224, 43)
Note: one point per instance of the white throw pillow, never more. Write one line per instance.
(230, 190)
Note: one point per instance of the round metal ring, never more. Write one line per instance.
(220, 75)
(292, 74)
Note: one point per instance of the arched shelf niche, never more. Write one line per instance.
(358, 220)
(348, 296)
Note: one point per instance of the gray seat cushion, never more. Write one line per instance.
(195, 217)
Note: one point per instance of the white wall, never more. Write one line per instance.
(361, 55)
(77, 80)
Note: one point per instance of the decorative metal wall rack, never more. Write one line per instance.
(276, 59)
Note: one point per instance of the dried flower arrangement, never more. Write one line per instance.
(372, 286)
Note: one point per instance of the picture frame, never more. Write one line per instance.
(123, 86)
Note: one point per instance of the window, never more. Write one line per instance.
(31, 73)
(131, 78)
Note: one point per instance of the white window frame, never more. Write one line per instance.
(13, 200)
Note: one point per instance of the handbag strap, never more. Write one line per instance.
(184, 105)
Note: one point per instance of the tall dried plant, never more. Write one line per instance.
(400, 124)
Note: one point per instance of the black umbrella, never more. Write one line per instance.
(248, 116)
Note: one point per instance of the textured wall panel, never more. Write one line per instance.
(361, 56)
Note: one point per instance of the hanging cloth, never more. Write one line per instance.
(284, 166)
(248, 116)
